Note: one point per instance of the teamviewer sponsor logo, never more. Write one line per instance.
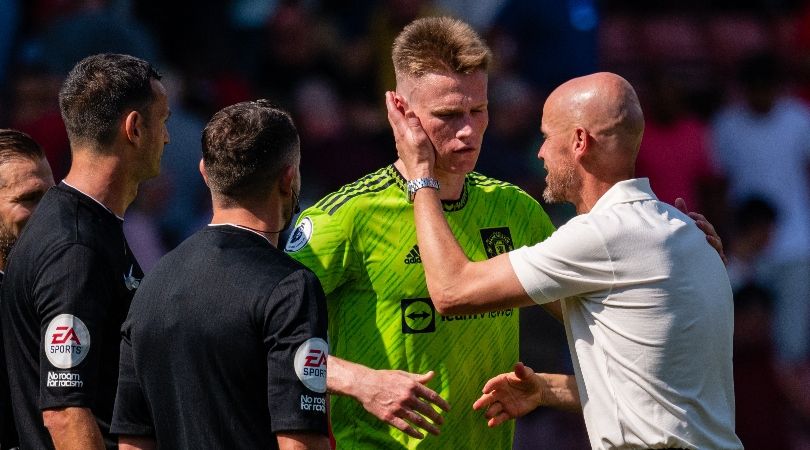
(413, 256)
(418, 316)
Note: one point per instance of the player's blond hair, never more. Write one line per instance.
(439, 44)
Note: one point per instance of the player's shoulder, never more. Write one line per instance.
(67, 216)
(61, 231)
(481, 181)
(229, 250)
(488, 185)
(359, 194)
(55, 221)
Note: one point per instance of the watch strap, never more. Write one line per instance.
(419, 183)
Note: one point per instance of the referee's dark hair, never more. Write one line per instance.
(246, 146)
(15, 144)
(97, 93)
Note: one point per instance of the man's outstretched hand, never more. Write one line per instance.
(510, 395)
(402, 400)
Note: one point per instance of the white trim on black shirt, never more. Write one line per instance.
(242, 228)
(91, 198)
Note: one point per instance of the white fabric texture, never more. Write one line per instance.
(649, 319)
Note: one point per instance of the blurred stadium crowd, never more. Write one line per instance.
(725, 87)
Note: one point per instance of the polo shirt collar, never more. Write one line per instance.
(632, 190)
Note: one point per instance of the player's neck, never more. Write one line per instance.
(102, 178)
(265, 222)
(451, 185)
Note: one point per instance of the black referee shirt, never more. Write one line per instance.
(224, 346)
(8, 433)
(68, 286)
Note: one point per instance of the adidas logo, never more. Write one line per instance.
(413, 256)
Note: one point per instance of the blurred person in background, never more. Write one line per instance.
(761, 143)
(34, 109)
(546, 41)
(673, 138)
(179, 201)
(9, 21)
(24, 178)
(762, 419)
(88, 28)
(754, 221)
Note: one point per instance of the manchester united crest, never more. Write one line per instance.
(496, 241)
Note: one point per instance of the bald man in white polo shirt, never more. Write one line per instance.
(648, 307)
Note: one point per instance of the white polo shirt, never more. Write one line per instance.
(649, 320)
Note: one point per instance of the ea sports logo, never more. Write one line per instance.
(64, 334)
(315, 359)
(310, 364)
(66, 342)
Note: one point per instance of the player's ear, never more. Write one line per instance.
(132, 126)
(581, 142)
(287, 179)
(204, 172)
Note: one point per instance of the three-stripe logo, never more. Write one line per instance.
(413, 256)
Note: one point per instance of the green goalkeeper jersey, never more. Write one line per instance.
(361, 242)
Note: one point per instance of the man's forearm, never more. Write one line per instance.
(73, 428)
(302, 441)
(456, 284)
(560, 392)
(136, 443)
(342, 375)
(442, 257)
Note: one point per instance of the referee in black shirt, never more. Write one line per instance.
(24, 177)
(71, 276)
(225, 342)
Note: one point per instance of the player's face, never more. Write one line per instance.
(23, 182)
(453, 112)
(561, 179)
(157, 135)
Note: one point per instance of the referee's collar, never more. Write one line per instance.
(217, 225)
(91, 198)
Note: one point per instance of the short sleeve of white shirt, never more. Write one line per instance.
(572, 261)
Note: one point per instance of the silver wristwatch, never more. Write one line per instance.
(419, 183)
